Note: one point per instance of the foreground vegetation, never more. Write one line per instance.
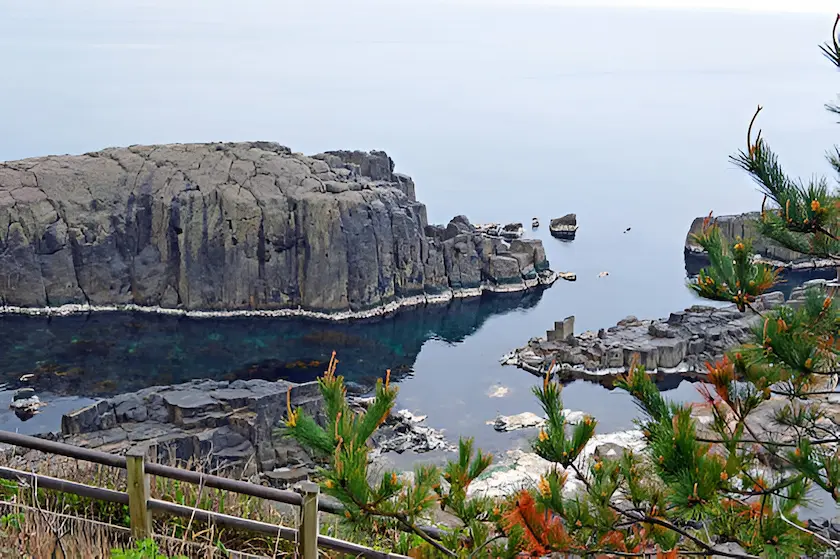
(684, 495)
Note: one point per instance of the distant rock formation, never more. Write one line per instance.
(238, 227)
(744, 226)
(677, 346)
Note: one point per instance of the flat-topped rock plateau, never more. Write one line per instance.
(238, 228)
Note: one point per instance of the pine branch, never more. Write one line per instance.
(647, 518)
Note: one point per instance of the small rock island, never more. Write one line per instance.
(238, 228)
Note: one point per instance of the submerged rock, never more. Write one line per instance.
(238, 227)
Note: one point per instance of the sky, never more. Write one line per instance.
(789, 6)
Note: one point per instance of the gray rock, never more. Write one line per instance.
(503, 270)
(284, 477)
(233, 226)
(523, 420)
(226, 426)
(681, 344)
(130, 408)
(744, 226)
(564, 227)
(23, 394)
(610, 451)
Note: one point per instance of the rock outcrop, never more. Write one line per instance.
(681, 343)
(238, 227)
(744, 226)
(564, 227)
(227, 426)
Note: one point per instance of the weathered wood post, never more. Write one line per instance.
(138, 493)
(309, 528)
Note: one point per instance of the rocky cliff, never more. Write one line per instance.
(238, 227)
(744, 226)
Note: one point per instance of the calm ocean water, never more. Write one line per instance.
(625, 117)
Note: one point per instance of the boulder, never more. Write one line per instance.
(523, 420)
(564, 227)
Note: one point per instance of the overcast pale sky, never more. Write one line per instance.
(798, 6)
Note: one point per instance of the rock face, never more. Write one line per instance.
(227, 426)
(220, 423)
(682, 343)
(242, 226)
(744, 226)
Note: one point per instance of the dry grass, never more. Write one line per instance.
(37, 523)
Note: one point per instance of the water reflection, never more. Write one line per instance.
(106, 353)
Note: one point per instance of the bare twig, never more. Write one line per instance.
(831, 543)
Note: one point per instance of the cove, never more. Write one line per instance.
(101, 354)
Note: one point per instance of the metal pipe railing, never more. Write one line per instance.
(138, 498)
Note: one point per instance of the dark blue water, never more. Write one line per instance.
(501, 112)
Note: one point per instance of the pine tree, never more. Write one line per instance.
(687, 491)
(789, 366)
(388, 502)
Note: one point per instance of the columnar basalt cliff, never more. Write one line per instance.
(744, 226)
(238, 227)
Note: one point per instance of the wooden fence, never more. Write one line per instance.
(141, 505)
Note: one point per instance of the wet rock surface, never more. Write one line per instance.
(681, 343)
(237, 226)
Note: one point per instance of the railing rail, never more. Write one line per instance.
(141, 505)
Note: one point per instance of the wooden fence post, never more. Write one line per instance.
(138, 493)
(309, 529)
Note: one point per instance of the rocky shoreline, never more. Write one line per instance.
(679, 345)
(743, 226)
(544, 279)
(226, 427)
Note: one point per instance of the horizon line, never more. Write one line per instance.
(804, 7)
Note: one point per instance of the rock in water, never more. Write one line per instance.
(564, 227)
(229, 425)
(680, 344)
(238, 226)
(527, 420)
(25, 403)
